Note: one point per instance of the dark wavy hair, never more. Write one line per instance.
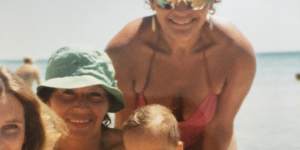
(46, 93)
(34, 130)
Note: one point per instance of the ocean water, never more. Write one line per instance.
(269, 118)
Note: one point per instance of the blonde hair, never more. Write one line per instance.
(54, 125)
(154, 119)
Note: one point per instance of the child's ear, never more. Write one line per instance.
(179, 145)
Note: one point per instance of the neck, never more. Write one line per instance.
(181, 46)
(79, 143)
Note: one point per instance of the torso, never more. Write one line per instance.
(27, 73)
(170, 80)
(112, 139)
(172, 77)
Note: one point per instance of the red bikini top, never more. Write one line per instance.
(191, 129)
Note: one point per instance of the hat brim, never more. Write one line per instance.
(73, 82)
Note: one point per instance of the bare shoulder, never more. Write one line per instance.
(239, 46)
(112, 139)
(126, 47)
(129, 34)
(35, 68)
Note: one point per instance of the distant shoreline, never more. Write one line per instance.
(257, 54)
(278, 52)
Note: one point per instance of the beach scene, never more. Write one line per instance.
(268, 119)
(269, 116)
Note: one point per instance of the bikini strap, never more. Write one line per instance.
(207, 75)
(149, 71)
(139, 96)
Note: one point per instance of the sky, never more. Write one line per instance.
(36, 28)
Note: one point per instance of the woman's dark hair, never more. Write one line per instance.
(34, 129)
(46, 92)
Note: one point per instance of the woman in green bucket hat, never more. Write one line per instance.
(80, 87)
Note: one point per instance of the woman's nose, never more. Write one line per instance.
(81, 102)
(182, 6)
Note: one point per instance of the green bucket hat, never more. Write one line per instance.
(71, 68)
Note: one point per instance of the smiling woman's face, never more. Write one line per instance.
(82, 109)
(180, 22)
(12, 123)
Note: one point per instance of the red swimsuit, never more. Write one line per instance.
(191, 129)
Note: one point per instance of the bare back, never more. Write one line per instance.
(29, 74)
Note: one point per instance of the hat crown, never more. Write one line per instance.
(67, 62)
(74, 68)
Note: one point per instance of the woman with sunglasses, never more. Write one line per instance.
(183, 58)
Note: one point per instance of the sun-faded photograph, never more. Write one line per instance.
(149, 75)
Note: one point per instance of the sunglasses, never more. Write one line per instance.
(193, 4)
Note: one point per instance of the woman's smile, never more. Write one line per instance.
(182, 21)
(80, 123)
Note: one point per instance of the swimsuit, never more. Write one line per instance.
(191, 129)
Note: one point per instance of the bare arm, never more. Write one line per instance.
(123, 57)
(125, 83)
(218, 134)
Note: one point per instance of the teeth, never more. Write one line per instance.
(182, 22)
(79, 121)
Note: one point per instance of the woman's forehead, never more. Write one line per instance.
(11, 109)
(94, 88)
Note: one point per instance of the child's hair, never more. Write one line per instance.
(154, 119)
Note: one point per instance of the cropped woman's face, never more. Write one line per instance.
(12, 123)
(181, 21)
(82, 109)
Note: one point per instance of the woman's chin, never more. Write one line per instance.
(81, 129)
(182, 31)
